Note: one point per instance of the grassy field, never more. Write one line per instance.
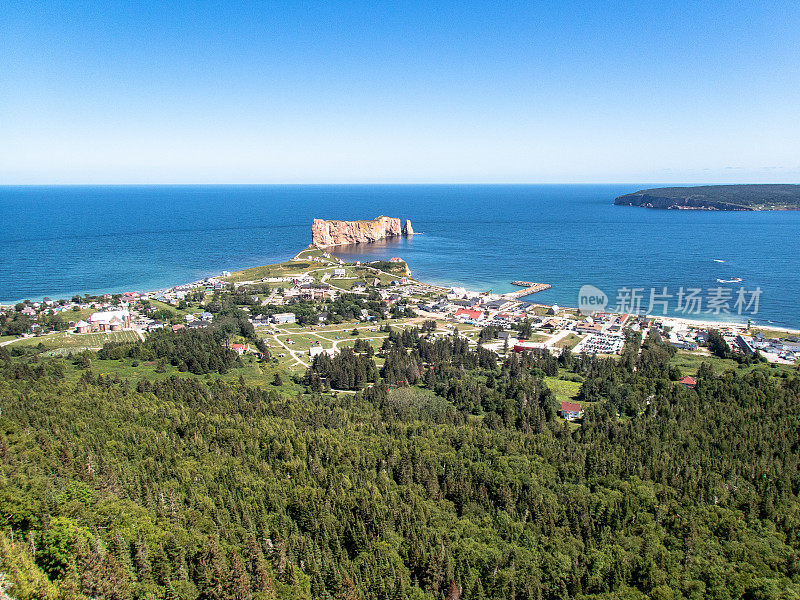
(568, 342)
(345, 283)
(72, 341)
(375, 340)
(194, 309)
(298, 265)
(355, 273)
(301, 339)
(278, 270)
(689, 362)
(82, 314)
(308, 253)
(537, 337)
(253, 372)
(565, 391)
(342, 284)
(368, 275)
(300, 343)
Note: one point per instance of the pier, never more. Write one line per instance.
(531, 287)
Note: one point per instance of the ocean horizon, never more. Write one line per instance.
(64, 240)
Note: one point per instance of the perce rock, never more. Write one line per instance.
(335, 233)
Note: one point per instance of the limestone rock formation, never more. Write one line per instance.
(408, 230)
(335, 233)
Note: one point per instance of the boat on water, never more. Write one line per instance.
(719, 260)
(731, 280)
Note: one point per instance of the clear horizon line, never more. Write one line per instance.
(364, 183)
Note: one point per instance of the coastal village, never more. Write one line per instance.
(232, 369)
(278, 298)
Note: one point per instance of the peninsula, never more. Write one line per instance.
(336, 233)
(717, 197)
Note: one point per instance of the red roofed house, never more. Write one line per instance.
(525, 346)
(240, 348)
(688, 382)
(571, 411)
(395, 259)
(469, 314)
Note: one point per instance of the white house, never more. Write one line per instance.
(571, 411)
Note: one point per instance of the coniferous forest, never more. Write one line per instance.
(444, 474)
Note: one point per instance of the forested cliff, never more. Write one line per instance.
(717, 197)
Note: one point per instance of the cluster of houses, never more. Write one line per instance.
(773, 349)
(600, 333)
(480, 309)
(111, 315)
(33, 309)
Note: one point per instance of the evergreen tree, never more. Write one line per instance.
(237, 586)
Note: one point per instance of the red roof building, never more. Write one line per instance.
(525, 346)
(571, 410)
(469, 314)
(688, 382)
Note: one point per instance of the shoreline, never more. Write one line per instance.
(680, 320)
(755, 324)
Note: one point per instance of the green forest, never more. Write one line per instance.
(445, 473)
(753, 196)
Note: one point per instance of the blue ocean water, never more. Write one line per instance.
(58, 241)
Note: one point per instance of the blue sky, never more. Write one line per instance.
(215, 92)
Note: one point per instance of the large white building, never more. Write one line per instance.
(284, 318)
(110, 320)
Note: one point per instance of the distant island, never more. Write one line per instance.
(336, 233)
(717, 197)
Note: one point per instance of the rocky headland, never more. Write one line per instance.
(717, 197)
(336, 233)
